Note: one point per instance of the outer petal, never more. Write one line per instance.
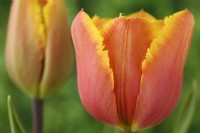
(23, 52)
(127, 41)
(58, 60)
(95, 78)
(163, 70)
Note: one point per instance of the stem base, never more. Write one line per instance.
(37, 110)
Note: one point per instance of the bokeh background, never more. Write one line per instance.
(64, 112)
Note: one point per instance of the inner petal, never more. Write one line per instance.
(127, 41)
(142, 14)
(37, 8)
(100, 22)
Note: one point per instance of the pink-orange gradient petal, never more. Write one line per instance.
(163, 70)
(95, 77)
(127, 41)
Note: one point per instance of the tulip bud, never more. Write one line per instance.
(39, 56)
(130, 69)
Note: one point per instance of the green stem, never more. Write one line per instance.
(37, 110)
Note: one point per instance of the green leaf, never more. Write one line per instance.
(15, 124)
(186, 112)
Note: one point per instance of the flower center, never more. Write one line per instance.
(41, 14)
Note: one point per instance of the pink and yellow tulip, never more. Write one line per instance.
(130, 69)
(38, 51)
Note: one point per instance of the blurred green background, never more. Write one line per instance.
(64, 112)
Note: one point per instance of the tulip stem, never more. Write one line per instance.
(128, 131)
(37, 110)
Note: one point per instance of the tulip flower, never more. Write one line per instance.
(130, 69)
(38, 51)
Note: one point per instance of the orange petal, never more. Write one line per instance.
(127, 41)
(99, 23)
(95, 77)
(163, 70)
(142, 14)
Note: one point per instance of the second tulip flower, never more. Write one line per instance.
(130, 69)
(39, 55)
